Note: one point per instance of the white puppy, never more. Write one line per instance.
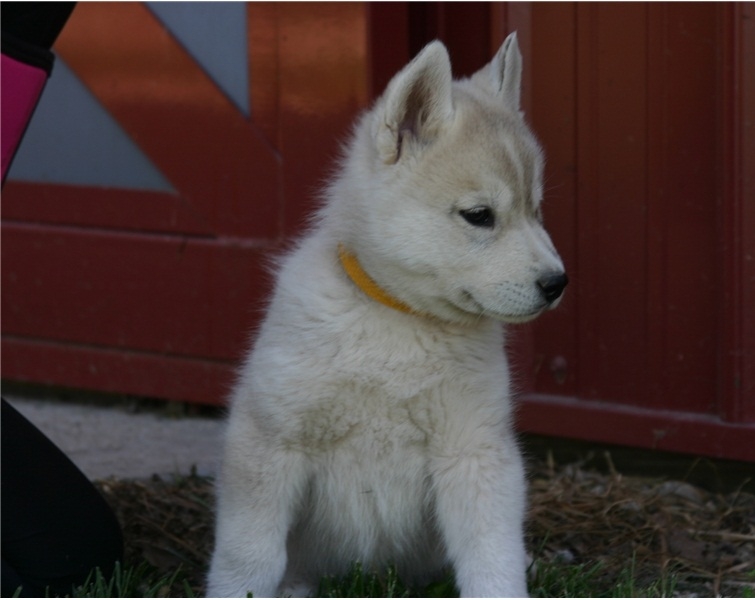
(372, 420)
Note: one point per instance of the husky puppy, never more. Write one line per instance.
(372, 420)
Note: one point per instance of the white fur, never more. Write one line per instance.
(361, 433)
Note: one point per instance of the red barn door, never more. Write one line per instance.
(645, 112)
(155, 291)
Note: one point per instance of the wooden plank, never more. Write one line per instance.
(688, 208)
(118, 371)
(324, 82)
(162, 294)
(611, 140)
(553, 72)
(387, 21)
(745, 14)
(736, 361)
(612, 423)
(113, 208)
(262, 35)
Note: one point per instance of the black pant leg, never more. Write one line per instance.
(56, 527)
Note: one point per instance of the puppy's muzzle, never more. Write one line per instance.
(552, 286)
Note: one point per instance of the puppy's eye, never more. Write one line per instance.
(479, 216)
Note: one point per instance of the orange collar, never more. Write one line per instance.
(365, 283)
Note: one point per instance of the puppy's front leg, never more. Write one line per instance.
(257, 496)
(480, 500)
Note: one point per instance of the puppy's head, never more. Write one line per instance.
(449, 217)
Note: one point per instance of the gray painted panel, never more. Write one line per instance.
(72, 139)
(214, 34)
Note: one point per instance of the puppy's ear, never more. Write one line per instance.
(416, 104)
(503, 75)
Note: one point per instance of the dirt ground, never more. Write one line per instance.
(577, 516)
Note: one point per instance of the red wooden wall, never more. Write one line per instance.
(645, 113)
(156, 293)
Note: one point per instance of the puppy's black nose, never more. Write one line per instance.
(553, 285)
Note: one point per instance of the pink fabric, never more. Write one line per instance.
(21, 87)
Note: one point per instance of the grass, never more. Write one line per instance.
(546, 580)
(142, 581)
(358, 584)
(595, 580)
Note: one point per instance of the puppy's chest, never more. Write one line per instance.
(369, 464)
(381, 387)
(364, 422)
